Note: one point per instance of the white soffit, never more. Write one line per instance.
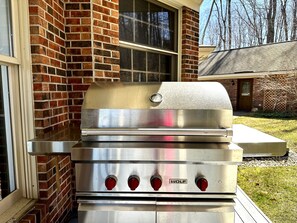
(192, 4)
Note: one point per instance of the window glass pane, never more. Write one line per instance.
(126, 76)
(7, 178)
(169, 19)
(168, 39)
(156, 15)
(125, 58)
(5, 28)
(139, 60)
(246, 89)
(153, 62)
(126, 29)
(141, 33)
(153, 25)
(126, 8)
(165, 64)
(153, 78)
(165, 78)
(141, 10)
(155, 36)
(139, 77)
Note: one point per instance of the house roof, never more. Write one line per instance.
(254, 61)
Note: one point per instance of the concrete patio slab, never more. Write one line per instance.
(256, 143)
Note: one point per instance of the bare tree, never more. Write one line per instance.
(294, 18)
(229, 24)
(207, 21)
(253, 18)
(271, 15)
(241, 23)
(221, 20)
(284, 18)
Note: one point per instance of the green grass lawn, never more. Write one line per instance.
(273, 189)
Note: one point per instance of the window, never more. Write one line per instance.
(17, 168)
(148, 40)
(246, 88)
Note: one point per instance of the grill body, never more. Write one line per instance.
(156, 153)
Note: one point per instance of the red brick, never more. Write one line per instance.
(51, 83)
(190, 35)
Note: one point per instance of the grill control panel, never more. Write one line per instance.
(156, 182)
(161, 178)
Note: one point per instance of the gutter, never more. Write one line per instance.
(247, 75)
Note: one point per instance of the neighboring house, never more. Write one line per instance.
(204, 51)
(258, 77)
(50, 52)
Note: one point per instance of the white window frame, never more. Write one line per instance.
(21, 105)
(178, 6)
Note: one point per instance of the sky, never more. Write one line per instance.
(204, 9)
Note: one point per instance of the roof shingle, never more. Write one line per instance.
(277, 57)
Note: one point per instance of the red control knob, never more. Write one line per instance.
(202, 183)
(133, 182)
(156, 182)
(110, 182)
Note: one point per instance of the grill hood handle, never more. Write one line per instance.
(156, 132)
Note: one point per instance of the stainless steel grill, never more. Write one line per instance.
(156, 153)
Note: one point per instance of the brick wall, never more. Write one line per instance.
(190, 44)
(106, 40)
(92, 43)
(48, 64)
(78, 27)
(55, 193)
(67, 36)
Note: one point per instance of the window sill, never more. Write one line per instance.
(17, 211)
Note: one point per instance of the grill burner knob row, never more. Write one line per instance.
(133, 182)
(201, 183)
(156, 182)
(110, 182)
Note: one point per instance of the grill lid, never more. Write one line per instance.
(165, 95)
(170, 111)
